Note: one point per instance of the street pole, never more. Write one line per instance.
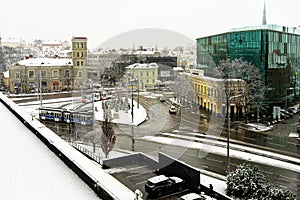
(228, 132)
(41, 95)
(138, 97)
(132, 102)
(286, 101)
(228, 135)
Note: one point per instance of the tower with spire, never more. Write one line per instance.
(264, 20)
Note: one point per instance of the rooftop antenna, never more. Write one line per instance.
(264, 21)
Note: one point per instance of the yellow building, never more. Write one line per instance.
(79, 58)
(210, 92)
(145, 74)
(51, 74)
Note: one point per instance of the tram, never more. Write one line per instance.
(66, 116)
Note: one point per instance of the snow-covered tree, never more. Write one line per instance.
(248, 182)
(249, 80)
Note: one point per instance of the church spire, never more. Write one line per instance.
(264, 21)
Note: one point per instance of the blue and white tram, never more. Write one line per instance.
(66, 116)
(52, 114)
(83, 118)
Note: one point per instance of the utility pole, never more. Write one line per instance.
(228, 131)
(41, 95)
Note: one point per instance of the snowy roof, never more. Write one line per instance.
(177, 68)
(142, 65)
(208, 78)
(46, 62)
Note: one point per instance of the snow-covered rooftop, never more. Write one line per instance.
(142, 65)
(177, 69)
(46, 62)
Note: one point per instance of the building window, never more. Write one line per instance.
(79, 74)
(43, 74)
(55, 74)
(81, 63)
(17, 75)
(67, 73)
(30, 74)
(141, 73)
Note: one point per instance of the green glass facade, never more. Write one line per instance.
(274, 49)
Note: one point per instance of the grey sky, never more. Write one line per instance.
(99, 20)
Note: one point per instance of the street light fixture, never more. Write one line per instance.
(228, 132)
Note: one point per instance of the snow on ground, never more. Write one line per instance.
(257, 127)
(221, 151)
(123, 117)
(235, 146)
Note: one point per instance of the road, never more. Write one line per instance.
(213, 162)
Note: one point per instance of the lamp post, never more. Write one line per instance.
(41, 95)
(228, 133)
(138, 85)
(286, 99)
(132, 102)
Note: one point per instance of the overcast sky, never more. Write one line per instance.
(100, 20)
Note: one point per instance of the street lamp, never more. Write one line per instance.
(41, 95)
(228, 132)
(286, 99)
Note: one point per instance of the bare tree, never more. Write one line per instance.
(3, 61)
(93, 136)
(108, 138)
(248, 79)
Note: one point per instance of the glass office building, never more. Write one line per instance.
(274, 49)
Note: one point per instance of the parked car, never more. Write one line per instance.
(161, 185)
(172, 110)
(192, 196)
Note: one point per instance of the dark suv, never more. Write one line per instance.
(160, 185)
